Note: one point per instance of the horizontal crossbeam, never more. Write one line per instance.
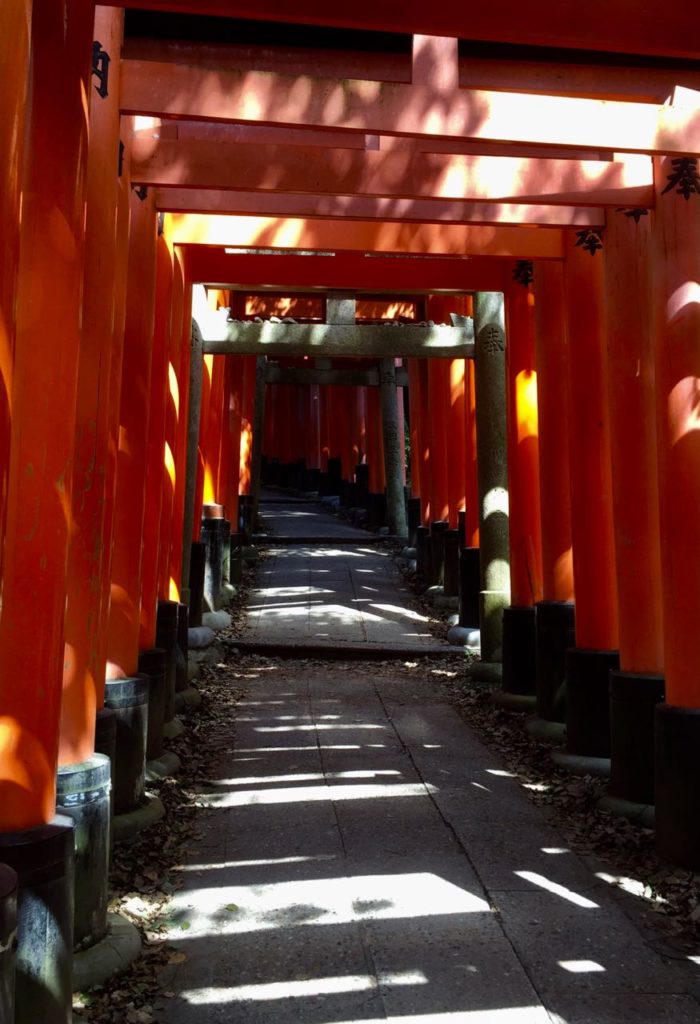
(432, 211)
(170, 90)
(222, 337)
(398, 172)
(293, 233)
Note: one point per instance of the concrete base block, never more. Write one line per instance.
(581, 764)
(126, 827)
(118, 949)
(228, 592)
(173, 729)
(464, 636)
(188, 700)
(216, 620)
(488, 673)
(544, 731)
(249, 553)
(163, 767)
(452, 620)
(408, 553)
(638, 814)
(199, 637)
(520, 703)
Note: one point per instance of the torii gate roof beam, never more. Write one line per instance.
(625, 26)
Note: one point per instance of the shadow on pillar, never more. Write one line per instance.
(8, 941)
(43, 860)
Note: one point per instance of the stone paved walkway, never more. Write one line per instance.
(362, 857)
(330, 594)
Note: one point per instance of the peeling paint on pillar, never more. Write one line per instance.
(490, 335)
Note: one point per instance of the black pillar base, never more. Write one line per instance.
(554, 634)
(83, 794)
(413, 518)
(181, 649)
(519, 648)
(677, 769)
(423, 553)
(166, 639)
(450, 584)
(128, 698)
(198, 559)
(469, 587)
(152, 665)
(438, 528)
(633, 698)
(106, 733)
(235, 558)
(588, 700)
(215, 533)
(43, 860)
(8, 941)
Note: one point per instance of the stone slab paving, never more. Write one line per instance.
(364, 858)
(324, 594)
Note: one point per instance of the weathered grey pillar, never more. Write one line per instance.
(395, 493)
(193, 415)
(490, 360)
(258, 428)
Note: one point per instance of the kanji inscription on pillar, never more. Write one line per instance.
(491, 339)
(684, 178)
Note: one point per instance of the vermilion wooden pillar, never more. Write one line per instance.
(177, 583)
(233, 429)
(438, 309)
(247, 412)
(124, 623)
(523, 489)
(84, 666)
(169, 584)
(114, 397)
(15, 29)
(588, 665)
(471, 480)
(676, 287)
(555, 613)
(313, 444)
(43, 410)
(415, 427)
(426, 464)
(631, 378)
(457, 432)
(211, 430)
(375, 446)
(438, 412)
(155, 448)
